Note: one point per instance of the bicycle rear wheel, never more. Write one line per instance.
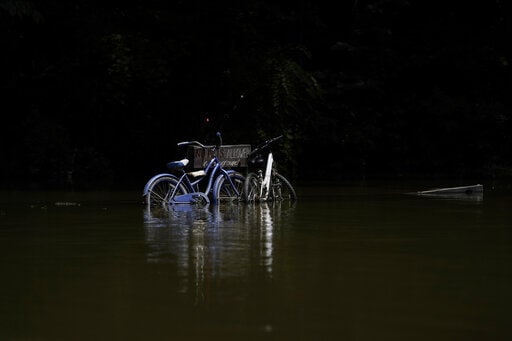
(223, 191)
(160, 190)
(282, 189)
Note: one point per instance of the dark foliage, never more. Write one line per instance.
(98, 93)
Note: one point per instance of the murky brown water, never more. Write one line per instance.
(347, 263)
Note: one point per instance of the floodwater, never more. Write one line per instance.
(351, 262)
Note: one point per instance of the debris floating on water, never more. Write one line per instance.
(474, 189)
(473, 193)
(60, 203)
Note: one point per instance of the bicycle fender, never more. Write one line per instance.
(158, 176)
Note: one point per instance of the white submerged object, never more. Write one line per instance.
(474, 189)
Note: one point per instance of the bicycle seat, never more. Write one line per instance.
(177, 164)
(256, 160)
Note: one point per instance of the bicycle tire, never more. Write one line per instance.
(159, 191)
(252, 186)
(224, 192)
(282, 189)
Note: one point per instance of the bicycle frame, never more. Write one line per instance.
(213, 170)
(266, 183)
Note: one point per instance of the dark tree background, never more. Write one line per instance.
(99, 92)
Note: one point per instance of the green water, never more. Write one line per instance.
(354, 262)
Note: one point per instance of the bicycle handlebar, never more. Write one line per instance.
(192, 143)
(197, 143)
(220, 139)
(265, 144)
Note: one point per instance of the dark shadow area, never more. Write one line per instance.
(98, 94)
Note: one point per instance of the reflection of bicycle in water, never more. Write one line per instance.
(184, 238)
(181, 187)
(211, 244)
(268, 185)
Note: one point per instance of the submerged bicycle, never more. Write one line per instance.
(268, 185)
(213, 184)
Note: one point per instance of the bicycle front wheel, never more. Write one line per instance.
(252, 188)
(160, 190)
(282, 189)
(223, 191)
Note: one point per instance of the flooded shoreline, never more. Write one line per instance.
(356, 262)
